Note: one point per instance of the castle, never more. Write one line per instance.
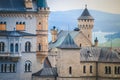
(23, 38)
(72, 56)
(26, 55)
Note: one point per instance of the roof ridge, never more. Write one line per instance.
(68, 42)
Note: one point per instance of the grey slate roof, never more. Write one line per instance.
(47, 63)
(18, 5)
(62, 38)
(15, 34)
(68, 42)
(99, 55)
(85, 15)
(47, 70)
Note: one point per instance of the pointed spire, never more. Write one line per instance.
(96, 40)
(86, 6)
(85, 14)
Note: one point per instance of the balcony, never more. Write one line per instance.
(6, 56)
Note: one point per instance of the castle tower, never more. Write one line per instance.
(54, 34)
(42, 29)
(96, 42)
(86, 23)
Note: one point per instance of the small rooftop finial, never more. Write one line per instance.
(96, 40)
(54, 27)
(86, 6)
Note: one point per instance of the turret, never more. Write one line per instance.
(42, 5)
(86, 23)
(54, 34)
(42, 29)
(96, 42)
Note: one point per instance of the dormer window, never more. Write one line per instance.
(2, 26)
(28, 4)
(89, 53)
(20, 26)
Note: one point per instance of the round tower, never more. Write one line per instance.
(54, 34)
(96, 42)
(86, 23)
(42, 29)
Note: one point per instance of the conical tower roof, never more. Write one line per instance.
(85, 15)
(42, 3)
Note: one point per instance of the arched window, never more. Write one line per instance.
(83, 25)
(2, 46)
(107, 70)
(10, 68)
(119, 70)
(5, 67)
(80, 45)
(88, 35)
(28, 65)
(91, 69)
(14, 67)
(16, 47)
(27, 47)
(70, 70)
(11, 47)
(39, 47)
(39, 23)
(23, 22)
(16, 22)
(20, 22)
(84, 69)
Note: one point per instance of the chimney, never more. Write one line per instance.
(96, 42)
(54, 34)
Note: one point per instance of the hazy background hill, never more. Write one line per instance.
(106, 24)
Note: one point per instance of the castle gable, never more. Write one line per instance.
(68, 42)
(61, 37)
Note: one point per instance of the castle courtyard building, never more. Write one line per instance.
(23, 38)
(72, 56)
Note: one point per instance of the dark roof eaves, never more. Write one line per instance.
(67, 48)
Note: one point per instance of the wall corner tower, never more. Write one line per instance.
(86, 23)
(42, 29)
